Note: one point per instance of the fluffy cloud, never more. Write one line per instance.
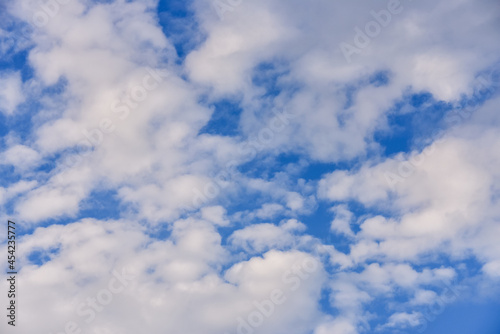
(440, 194)
(176, 284)
(11, 92)
(260, 237)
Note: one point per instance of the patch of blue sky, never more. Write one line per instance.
(450, 295)
(325, 305)
(317, 170)
(430, 316)
(241, 207)
(225, 232)
(271, 77)
(40, 173)
(41, 256)
(413, 123)
(319, 222)
(486, 85)
(16, 36)
(101, 204)
(44, 169)
(227, 112)
(225, 119)
(382, 307)
(465, 266)
(349, 91)
(379, 79)
(318, 225)
(179, 25)
(159, 232)
(103, 1)
(9, 175)
(17, 61)
(266, 166)
(418, 118)
(21, 123)
(465, 317)
(4, 130)
(245, 201)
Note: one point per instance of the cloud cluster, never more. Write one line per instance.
(171, 285)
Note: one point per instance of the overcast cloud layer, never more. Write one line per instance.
(252, 166)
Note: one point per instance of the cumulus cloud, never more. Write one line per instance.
(11, 92)
(260, 237)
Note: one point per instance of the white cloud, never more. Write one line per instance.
(404, 320)
(342, 221)
(215, 214)
(424, 297)
(337, 326)
(446, 194)
(176, 282)
(492, 268)
(20, 156)
(15, 189)
(11, 92)
(262, 237)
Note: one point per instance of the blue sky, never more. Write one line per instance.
(343, 154)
